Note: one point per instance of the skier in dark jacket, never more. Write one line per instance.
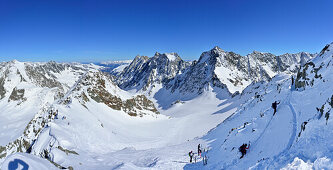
(191, 155)
(292, 80)
(274, 106)
(243, 149)
(199, 150)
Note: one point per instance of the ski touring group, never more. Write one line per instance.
(242, 149)
(201, 154)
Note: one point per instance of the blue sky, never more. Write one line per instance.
(100, 30)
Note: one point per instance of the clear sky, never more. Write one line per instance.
(101, 30)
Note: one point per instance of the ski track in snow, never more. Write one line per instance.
(293, 136)
(291, 139)
(294, 130)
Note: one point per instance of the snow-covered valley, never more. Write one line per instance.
(150, 113)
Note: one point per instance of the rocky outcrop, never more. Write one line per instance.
(2, 88)
(97, 90)
(42, 77)
(17, 95)
(137, 106)
(309, 73)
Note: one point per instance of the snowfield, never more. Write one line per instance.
(81, 119)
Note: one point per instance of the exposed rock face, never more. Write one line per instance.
(137, 105)
(143, 72)
(97, 89)
(199, 74)
(309, 73)
(2, 88)
(43, 75)
(17, 95)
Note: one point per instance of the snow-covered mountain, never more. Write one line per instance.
(144, 72)
(215, 67)
(76, 116)
(32, 94)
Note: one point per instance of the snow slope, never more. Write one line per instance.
(297, 131)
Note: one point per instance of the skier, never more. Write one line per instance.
(274, 106)
(191, 155)
(199, 150)
(292, 87)
(243, 149)
(292, 80)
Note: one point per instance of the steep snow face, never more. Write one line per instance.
(144, 72)
(302, 122)
(172, 56)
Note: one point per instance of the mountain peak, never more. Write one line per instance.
(256, 52)
(138, 57)
(170, 56)
(157, 54)
(14, 61)
(217, 48)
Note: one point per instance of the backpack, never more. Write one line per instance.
(241, 148)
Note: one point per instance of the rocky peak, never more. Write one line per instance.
(327, 48)
(141, 74)
(210, 57)
(217, 48)
(140, 58)
(157, 54)
(14, 61)
(166, 57)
